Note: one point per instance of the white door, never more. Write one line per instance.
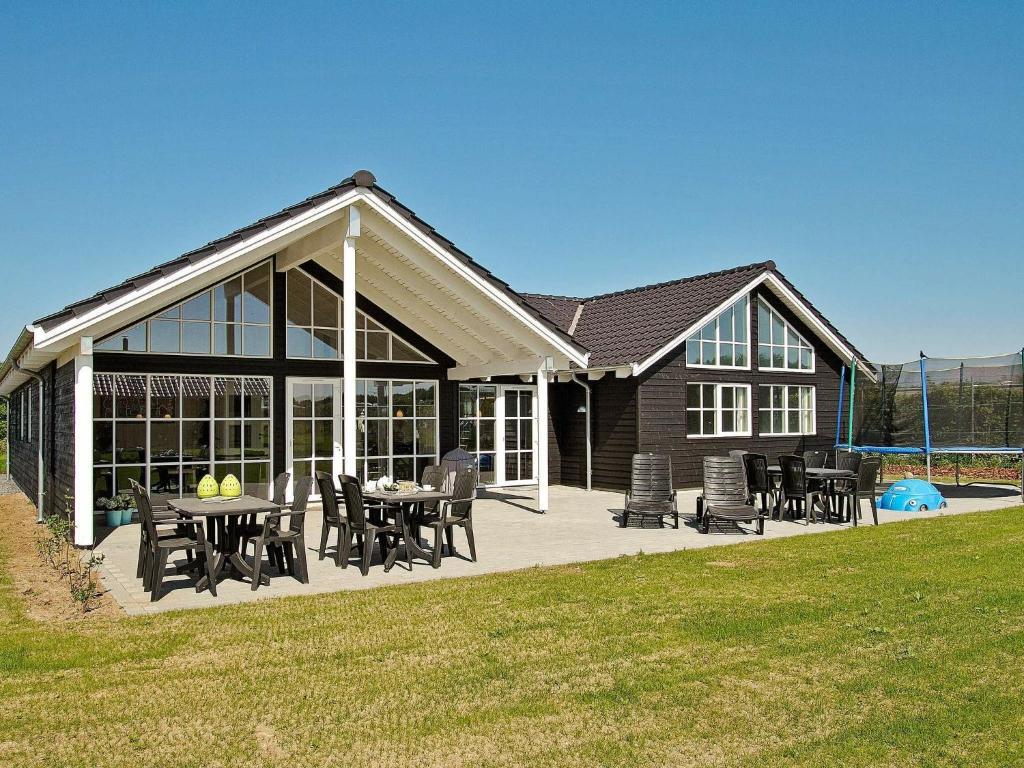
(314, 431)
(518, 436)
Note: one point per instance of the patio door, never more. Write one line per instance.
(517, 445)
(497, 423)
(314, 430)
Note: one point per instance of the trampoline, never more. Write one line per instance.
(957, 406)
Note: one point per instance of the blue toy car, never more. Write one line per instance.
(912, 496)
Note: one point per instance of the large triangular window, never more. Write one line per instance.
(724, 341)
(779, 346)
(314, 319)
(230, 319)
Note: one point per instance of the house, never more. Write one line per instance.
(231, 359)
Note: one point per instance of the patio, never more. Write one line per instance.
(510, 536)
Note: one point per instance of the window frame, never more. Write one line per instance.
(147, 321)
(365, 458)
(788, 328)
(390, 334)
(211, 463)
(696, 336)
(785, 410)
(718, 410)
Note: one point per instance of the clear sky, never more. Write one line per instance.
(874, 151)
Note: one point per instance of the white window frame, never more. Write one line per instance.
(500, 450)
(146, 324)
(787, 328)
(28, 417)
(719, 386)
(786, 410)
(390, 418)
(359, 314)
(211, 462)
(718, 340)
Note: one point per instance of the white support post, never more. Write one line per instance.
(348, 415)
(542, 435)
(83, 445)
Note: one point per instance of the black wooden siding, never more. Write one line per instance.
(57, 437)
(663, 403)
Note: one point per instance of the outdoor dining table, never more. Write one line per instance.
(824, 474)
(407, 506)
(228, 560)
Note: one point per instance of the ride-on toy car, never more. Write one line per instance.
(912, 496)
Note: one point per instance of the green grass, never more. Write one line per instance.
(896, 645)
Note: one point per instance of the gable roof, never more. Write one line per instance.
(560, 310)
(364, 179)
(629, 327)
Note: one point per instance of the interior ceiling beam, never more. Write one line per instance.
(324, 240)
(459, 349)
(493, 314)
(424, 290)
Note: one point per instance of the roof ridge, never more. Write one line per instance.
(552, 296)
(768, 265)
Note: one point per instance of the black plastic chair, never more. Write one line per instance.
(759, 482)
(725, 496)
(332, 517)
(285, 545)
(454, 512)
(188, 536)
(815, 459)
(250, 528)
(797, 493)
(651, 496)
(849, 461)
(366, 528)
(864, 488)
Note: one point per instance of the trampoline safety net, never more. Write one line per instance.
(935, 405)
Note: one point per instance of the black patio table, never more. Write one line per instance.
(826, 475)
(407, 506)
(228, 561)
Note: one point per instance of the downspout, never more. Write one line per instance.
(41, 465)
(586, 390)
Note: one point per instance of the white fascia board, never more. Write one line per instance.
(262, 243)
(571, 351)
(704, 320)
(503, 368)
(780, 289)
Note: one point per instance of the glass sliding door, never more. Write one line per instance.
(314, 428)
(477, 421)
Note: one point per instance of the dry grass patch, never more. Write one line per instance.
(45, 596)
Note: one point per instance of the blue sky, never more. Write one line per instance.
(875, 153)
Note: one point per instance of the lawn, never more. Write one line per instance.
(896, 645)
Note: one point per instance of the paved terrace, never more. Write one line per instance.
(510, 536)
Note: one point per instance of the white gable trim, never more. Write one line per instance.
(256, 247)
(799, 306)
(571, 351)
(267, 242)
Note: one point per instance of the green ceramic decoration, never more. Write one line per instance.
(208, 488)
(230, 487)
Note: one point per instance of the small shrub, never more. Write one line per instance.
(56, 548)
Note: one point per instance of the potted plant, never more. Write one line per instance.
(119, 509)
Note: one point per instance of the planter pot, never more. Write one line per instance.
(114, 518)
(126, 516)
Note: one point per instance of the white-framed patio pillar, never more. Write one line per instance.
(542, 434)
(348, 324)
(83, 502)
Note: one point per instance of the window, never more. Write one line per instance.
(167, 431)
(718, 410)
(779, 346)
(314, 315)
(396, 428)
(314, 318)
(28, 415)
(477, 427)
(722, 343)
(785, 409)
(231, 319)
